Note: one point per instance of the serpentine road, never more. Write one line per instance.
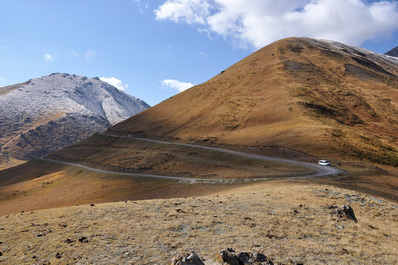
(321, 171)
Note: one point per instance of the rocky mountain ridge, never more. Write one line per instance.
(48, 113)
(393, 52)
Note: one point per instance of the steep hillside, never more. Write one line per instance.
(49, 113)
(320, 97)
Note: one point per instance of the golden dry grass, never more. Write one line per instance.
(289, 222)
(292, 93)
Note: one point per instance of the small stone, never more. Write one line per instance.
(92, 204)
(188, 259)
(58, 256)
(83, 239)
(349, 213)
(69, 241)
(228, 256)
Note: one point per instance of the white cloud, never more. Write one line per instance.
(259, 22)
(115, 82)
(188, 11)
(175, 84)
(74, 53)
(49, 57)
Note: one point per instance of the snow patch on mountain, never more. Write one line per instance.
(62, 107)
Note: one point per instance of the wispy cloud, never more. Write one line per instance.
(48, 57)
(115, 82)
(201, 53)
(257, 23)
(74, 53)
(89, 54)
(175, 84)
(141, 5)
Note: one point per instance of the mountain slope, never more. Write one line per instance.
(319, 97)
(393, 52)
(48, 113)
(297, 98)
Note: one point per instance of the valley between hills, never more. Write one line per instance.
(232, 163)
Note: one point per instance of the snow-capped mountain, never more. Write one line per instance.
(48, 113)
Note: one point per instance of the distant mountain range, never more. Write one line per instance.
(393, 52)
(45, 114)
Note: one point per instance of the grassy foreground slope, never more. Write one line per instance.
(289, 222)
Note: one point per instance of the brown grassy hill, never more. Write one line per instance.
(297, 98)
(319, 97)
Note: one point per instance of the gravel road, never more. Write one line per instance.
(321, 171)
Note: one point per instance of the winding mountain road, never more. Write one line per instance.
(321, 171)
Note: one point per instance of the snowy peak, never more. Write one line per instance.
(51, 112)
(84, 95)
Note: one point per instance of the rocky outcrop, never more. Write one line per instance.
(393, 52)
(345, 212)
(230, 257)
(227, 256)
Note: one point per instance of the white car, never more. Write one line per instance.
(323, 162)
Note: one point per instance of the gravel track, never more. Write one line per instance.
(321, 171)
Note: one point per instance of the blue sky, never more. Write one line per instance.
(158, 48)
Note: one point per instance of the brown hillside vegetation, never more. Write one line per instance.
(297, 98)
(290, 223)
(318, 97)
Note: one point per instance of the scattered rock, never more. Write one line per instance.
(344, 212)
(92, 204)
(230, 257)
(188, 259)
(58, 256)
(83, 239)
(349, 213)
(69, 241)
(1, 253)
